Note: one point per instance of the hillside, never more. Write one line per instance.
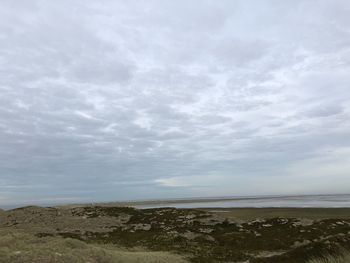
(124, 234)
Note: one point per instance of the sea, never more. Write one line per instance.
(301, 201)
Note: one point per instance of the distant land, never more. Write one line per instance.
(266, 201)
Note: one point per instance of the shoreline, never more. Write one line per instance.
(271, 201)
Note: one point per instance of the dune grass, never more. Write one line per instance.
(17, 247)
(344, 258)
(116, 234)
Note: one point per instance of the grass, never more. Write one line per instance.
(18, 247)
(309, 213)
(226, 242)
(344, 258)
(201, 236)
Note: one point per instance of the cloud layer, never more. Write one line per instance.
(111, 100)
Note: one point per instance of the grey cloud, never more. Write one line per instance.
(95, 71)
(102, 100)
(324, 111)
(236, 52)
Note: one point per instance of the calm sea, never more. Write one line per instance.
(322, 201)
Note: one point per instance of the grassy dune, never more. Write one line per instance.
(18, 247)
(116, 234)
(345, 258)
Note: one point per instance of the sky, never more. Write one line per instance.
(123, 100)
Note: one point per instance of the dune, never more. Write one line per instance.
(16, 247)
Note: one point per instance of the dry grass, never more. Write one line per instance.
(17, 247)
(115, 234)
(345, 258)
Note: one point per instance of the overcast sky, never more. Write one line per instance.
(116, 100)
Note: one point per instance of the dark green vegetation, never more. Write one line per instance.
(309, 213)
(199, 235)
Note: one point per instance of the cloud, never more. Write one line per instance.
(324, 111)
(172, 182)
(329, 163)
(148, 99)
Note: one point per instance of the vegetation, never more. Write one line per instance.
(199, 236)
(343, 258)
(17, 247)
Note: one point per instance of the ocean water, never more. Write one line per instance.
(315, 201)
